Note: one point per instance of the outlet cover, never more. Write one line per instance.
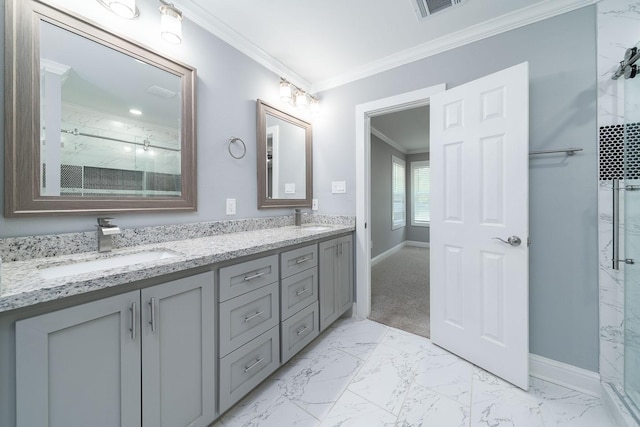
(338, 187)
(314, 204)
(231, 206)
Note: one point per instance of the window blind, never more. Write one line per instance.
(398, 205)
(420, 192)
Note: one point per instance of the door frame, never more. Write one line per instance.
(364, 112)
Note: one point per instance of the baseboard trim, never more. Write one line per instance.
(386, 254)
(417, 244)
(565, 375)
(375, 260)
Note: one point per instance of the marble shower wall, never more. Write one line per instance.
(618, 29)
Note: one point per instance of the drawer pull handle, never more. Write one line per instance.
(301, 260)
(132, 309)
(253, 316)
(152, 322)
(253, 365)
(301, 331)
(255, 276)
(303, 291)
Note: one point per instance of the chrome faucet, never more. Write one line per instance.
(105, 232)
(297, 216)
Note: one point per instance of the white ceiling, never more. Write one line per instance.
(406, 130)
(322, 44)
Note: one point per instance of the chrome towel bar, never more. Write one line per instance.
(569, 151)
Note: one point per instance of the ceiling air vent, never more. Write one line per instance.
(426, 8)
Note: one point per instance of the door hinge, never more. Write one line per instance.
(365, 225)
(528, 241)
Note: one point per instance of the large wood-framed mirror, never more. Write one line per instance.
(285, 176)
(94, 123)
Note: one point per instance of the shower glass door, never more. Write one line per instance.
(632, 239)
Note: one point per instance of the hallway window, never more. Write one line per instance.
(420, 194)
(398, 189)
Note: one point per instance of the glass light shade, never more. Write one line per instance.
(171, 24)
(301, 99)
(123, 8)
(285, 91)
(314, 105)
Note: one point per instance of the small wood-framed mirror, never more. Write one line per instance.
(285, 176)
(94, 122)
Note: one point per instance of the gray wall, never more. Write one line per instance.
(383, 237)
(414, 234)
(563, 215)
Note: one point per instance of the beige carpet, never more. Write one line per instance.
(400, 290)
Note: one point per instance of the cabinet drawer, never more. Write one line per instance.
(245, 317)
(241, 278)
(298, 291)
(298, 331)
(247, 367)
(298, 260)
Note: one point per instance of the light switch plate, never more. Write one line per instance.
(314, 204)
(231, 206)
(290, 188)
(338, 187)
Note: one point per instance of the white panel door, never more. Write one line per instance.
(480, 193)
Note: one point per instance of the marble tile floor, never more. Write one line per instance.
(362, 373)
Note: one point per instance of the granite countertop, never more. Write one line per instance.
(22, 285)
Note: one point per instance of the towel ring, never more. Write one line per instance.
(233, 140)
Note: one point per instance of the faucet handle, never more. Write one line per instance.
(105, 222)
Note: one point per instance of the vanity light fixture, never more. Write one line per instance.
(285, 91)
(301, 99)
(123, 8)
(314, 105)
(135, 112)
(170, 22)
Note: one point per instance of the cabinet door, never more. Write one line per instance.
(178, 358)
(344, 276)
(327, 283)
(80, 366)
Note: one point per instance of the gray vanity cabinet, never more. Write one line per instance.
(335, 279)
(249, 339)
(298, 299)
(178, 353)
(145, 357)
(79, 365)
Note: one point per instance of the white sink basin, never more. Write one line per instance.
(104, 263)
(315, 227)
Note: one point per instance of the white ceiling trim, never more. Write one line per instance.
(418, 151)
(388, 140)
(206, 20)
(510, 21)
(507, 22)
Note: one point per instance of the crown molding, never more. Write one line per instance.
(522, 17)
(209, 22)
(388, 140)
(519, 18)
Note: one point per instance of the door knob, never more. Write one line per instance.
(513, 240)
